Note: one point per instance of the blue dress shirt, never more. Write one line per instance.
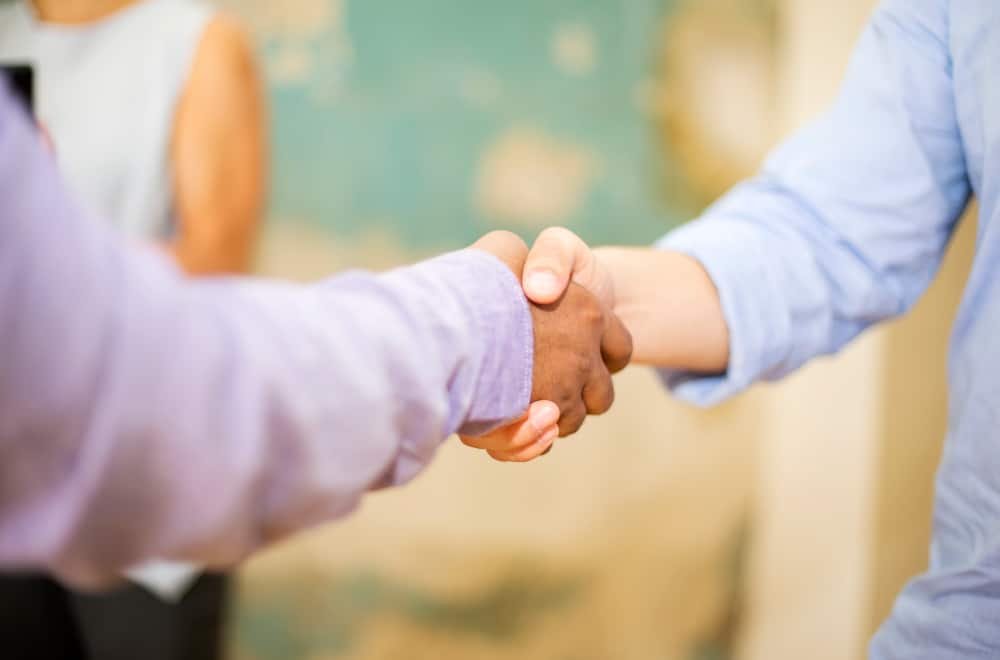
(844, 227)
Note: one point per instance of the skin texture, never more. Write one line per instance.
(218, 154)
(576, 377)
(578, 345)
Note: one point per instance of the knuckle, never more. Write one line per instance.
(572, 421)
(509, 236)
(558, 233)
(504, 234)
(619, 360)
(601, 402)
(628, 350)
(589, 312)
(567, 404)
(592, 312)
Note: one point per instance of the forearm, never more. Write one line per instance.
(669, 304)
(144, 414)
(227, 415)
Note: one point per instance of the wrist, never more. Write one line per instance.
(610, 264)
(669, 305)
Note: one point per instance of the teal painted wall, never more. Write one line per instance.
(384, 113)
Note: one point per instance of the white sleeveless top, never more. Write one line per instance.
(107, 91)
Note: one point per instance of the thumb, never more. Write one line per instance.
(557, 257)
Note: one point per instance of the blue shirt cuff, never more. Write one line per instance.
(759, 337)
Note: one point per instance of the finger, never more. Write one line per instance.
(572, 419)
(599, 392)
(539, 418)
(532, 451)
(555, 257)
(506, 246)
(498, 438)
(542, 418)
(616, 344)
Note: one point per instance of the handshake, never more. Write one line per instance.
(578, 340)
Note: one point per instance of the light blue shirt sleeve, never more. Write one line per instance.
(847, 221)
(143, 414)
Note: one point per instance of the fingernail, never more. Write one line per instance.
(544, 415)
(542, 282)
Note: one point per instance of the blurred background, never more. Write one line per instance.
(778, 526)
(400, 130)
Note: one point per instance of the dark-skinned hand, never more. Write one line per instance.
(579, 343)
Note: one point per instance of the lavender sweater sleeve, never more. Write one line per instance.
(144, 414)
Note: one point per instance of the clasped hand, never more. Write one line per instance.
(579, 343)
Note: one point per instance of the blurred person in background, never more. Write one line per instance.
(845, 227)
(156, 115)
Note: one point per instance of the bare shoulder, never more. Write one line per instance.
(222, 104)
(226, 40)
(225, 57)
